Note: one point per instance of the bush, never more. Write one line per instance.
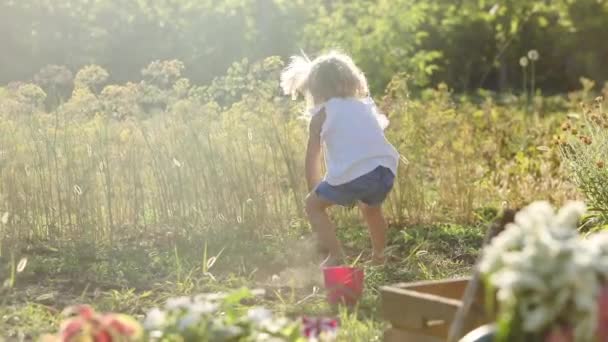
(584, 147)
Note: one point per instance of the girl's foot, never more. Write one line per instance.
(378, 260)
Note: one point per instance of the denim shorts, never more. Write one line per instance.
(371, 188)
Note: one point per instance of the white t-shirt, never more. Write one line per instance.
(353, 139)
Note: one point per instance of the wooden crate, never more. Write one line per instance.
(423, 311)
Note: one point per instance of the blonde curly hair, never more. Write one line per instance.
(330, 75)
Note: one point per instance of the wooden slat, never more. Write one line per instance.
(452, 288)
(428, 308)
(418, 311)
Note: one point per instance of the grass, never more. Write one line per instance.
(42, 291)
(27, 321)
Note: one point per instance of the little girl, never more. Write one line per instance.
(361, 164)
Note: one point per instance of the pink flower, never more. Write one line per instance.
(71, 328)
(103, 336)
(85, 322)
(84, 311)
(314, 327)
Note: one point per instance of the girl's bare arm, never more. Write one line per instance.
(313, 151)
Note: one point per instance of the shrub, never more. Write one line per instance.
(584, 147)
(217, 317)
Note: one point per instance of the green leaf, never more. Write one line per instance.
(238, 296)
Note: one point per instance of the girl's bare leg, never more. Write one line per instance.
(316, 210)
(377, 226)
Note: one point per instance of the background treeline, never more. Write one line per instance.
(466, 43)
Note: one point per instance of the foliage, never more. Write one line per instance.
(484, 150)
(124, 35)
(28, 320)
(583, 145)
(352, 328)
(468, 44)
(366, 28)
(91, 77)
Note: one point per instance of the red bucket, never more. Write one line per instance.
(344, 284)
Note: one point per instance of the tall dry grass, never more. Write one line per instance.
(118, 159)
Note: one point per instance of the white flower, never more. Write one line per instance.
(536, 318)
(265, 337)
(523, 61)
(155, 334)
(259, 315)
(211, 297)
(510, 239)
(227, 332)
(540, 266)
(262, 337)
(505, 295)
(597, 246)
(273, 326)
(536, 216)
(533, 55)
(178, 303)
(203, 308)
(155, 319)
(570, 215)
(188, 320)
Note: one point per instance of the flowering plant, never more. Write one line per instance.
(208, 317)
(320, 329)
(583, 148)
(548, 280)
(220, 317)
(86, 325)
